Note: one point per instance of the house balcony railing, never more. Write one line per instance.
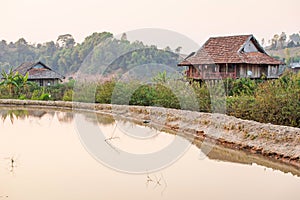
(211, 75)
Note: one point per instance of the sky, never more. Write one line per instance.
(39, 21)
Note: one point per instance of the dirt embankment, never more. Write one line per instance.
(279, 142)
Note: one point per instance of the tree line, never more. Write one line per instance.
(281, 41)
(66, 56)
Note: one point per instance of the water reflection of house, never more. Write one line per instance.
(37, 113)
(231, 57)
(40, 73)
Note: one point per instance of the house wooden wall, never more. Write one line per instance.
(273, 71)
(257, 70)
(45, 82)
(242, 70)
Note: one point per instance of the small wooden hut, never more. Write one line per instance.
(40, 73)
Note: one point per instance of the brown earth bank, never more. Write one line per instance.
(277, 142)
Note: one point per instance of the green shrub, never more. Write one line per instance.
(104, 92)
(45, 97)
(22, 97)
(40, 95)
(85, 92)
(68, 96)
(203, 96)
(145, 95)
(36, 94)
(240, 106)
(278, 101)
(243, 86)
(166, 97)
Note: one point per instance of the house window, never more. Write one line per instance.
(40, 82)
(199, 68)
(39, 66)
(274, 69)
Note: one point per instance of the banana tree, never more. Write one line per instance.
(9, 80)
(15, 82)
(22, 82)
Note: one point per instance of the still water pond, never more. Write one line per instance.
(42, 156)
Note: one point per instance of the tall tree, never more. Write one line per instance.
(178, 49)
(65, 41)
(124, 37)
(21, 42)
(274, 42)
(287, 56)
(282, 39)
(263, 42)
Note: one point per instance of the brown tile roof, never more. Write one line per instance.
(228, 49)
(43, 73)
(259, 58)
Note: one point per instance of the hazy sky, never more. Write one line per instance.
(44, 20)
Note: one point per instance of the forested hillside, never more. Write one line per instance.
(283, 47)
(289, 55)
(97, 51)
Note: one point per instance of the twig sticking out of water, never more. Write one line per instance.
(149, 179)
(165, 184)
(12, 163)
(112, 146)
(157, 182)
(112, 137)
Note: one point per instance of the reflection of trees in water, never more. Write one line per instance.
(13, 114)
(101, 119)
(38, 113)
(105, 119)
(111, 138)
(65, 117)
(220, 153)
(68, 117)
(62, 116)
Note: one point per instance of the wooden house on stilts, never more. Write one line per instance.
(231, 57)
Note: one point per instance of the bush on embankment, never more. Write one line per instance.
(274, 101)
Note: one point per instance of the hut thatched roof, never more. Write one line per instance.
(38, 70)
